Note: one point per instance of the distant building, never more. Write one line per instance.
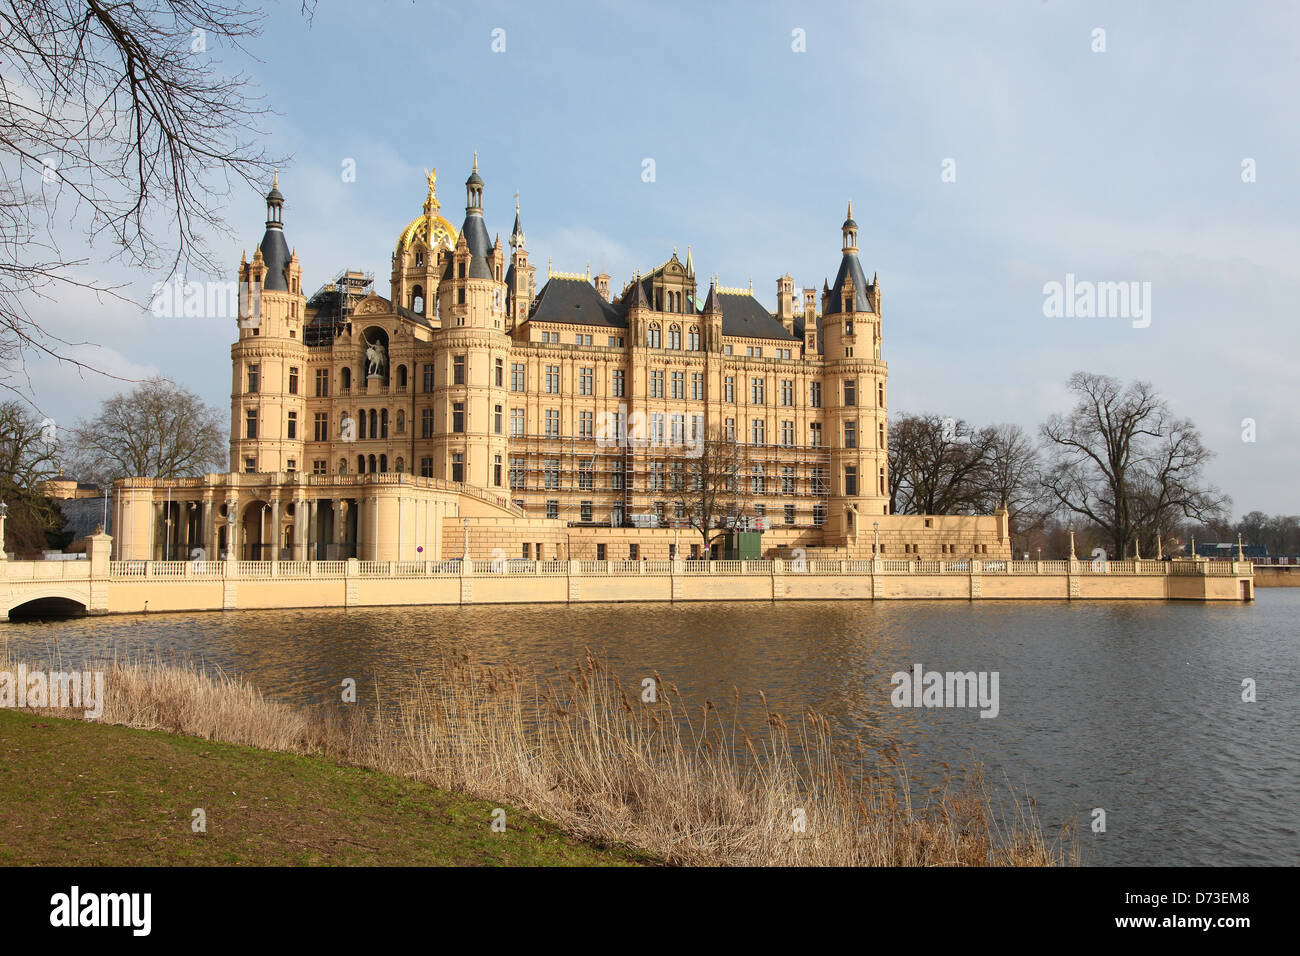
(558, 420)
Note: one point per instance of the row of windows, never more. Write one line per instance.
(373, 424)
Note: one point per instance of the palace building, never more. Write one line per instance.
(479, 407)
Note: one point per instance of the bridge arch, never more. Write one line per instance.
(46, 602)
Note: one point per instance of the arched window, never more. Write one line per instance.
(346, 379)
(374, 422)
(419, 259)
(401, 376)
(383, 423)
(417, 300)
(343, 466)
(401, 465)
(383, 463)
(401, 424)
(674, 336)
(372, 464)
(361, 464)
(361, 429)
(693, 338)
(652, 336)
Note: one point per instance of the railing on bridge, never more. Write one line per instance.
(182, 570)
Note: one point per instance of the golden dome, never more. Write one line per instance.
(444, 233)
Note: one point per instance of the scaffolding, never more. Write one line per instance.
(619, 482)
(332, 305)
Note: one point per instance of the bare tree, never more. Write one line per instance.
(158, 430)
(1121, 460)
(716, 490)
(116, 118)
(28, 456)
(1012, 479)
(937, 465)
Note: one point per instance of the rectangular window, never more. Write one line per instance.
(729, 429)
(293, 380)
(496, 470)
(586, 424)
(600, 552)
(426, 467)
(679, 384)
(587, 381)
(815, 434)
(552, 423)
(850, 434)
(729, 388)
(850, 480)
(787, 480)
(679, 430)
(789, 514)
(252, 423)
(585, 340)
(458, 370)
(517, 376)
(819, 516)
(516, 422)
(697, 386)
(656, 476)
(250, 466)
(615, 342)
(292, 432)
(758, 431)
(320, 429)
(500, 373)
(426, 423)
(880, 394)
(820, 486)
(551, 472)
(517, 473)
(458, 416)
(657, 383)
(657, 429)
(814, 394)
(757, 394)
(634, 552)
(457, 466)
(427, 383)
(584, 512)
(617, 383)
(787, 391)
(758, 481)
(850, 392)
(586, 477)
(498, 420)
(787, 433)
(291, 465)
(254, 377)
(322, 383)
(318, 466)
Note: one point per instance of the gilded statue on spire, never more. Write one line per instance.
(431, 202)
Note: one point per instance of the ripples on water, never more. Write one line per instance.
(1134, 707)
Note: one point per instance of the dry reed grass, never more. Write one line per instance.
(685, 784)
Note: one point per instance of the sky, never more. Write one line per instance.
(989, 149)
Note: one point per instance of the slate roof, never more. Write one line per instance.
(849, 266)
(744, 316)
(275, 251)
(575, 302)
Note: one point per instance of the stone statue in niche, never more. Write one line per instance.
(376, 360)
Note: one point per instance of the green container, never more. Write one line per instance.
(744, 546)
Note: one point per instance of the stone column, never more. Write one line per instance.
(160, 530)
(299, 529)
(313, 530)
(275, 528)
(232, 530)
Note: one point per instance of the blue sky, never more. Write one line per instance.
(1123, 165)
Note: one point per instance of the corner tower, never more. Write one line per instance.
(473, 349)
(268, 360)
(853, 386)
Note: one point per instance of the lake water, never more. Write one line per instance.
(1135, 708)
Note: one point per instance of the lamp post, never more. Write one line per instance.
(1040, 552)
(4, 511)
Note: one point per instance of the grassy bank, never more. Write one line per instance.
(75, 793)
(684, 783)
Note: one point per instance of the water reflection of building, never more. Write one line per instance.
(372, 427)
